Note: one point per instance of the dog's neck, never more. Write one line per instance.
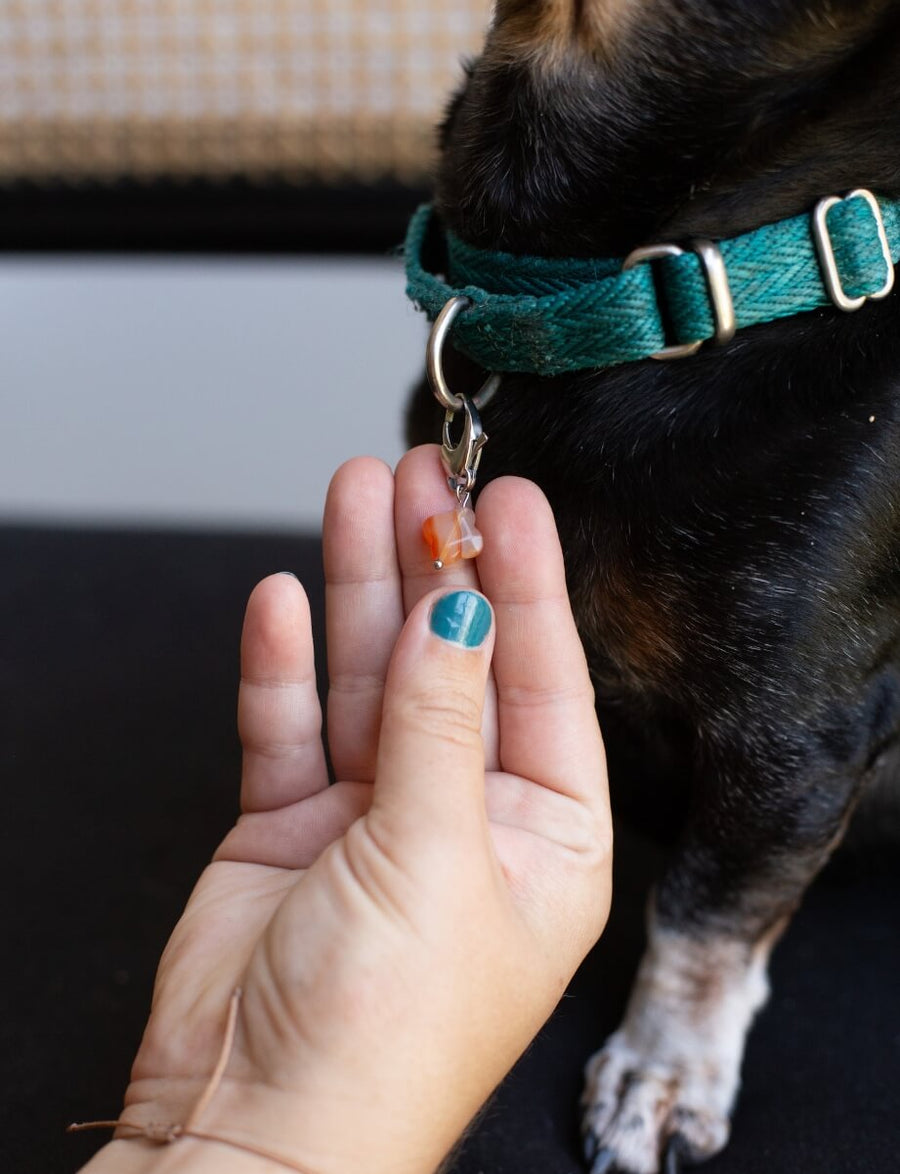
(695, 119)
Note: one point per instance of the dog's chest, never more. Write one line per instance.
(717, 558)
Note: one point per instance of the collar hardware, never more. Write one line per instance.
(716, 275)
(434, 361)
(828, 259)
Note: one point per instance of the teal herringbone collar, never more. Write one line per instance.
(549, 315)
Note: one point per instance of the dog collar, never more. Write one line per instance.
(547, 315)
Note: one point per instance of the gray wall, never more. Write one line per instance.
(197, 391)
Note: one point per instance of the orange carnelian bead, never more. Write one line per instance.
(452, 536)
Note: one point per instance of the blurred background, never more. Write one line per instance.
(200, 312)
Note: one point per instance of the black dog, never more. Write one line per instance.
(731, 521)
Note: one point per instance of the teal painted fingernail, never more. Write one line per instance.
(462, 617)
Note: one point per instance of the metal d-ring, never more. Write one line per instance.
(434, 365)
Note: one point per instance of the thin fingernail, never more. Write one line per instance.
(290, 574)
(462, 617)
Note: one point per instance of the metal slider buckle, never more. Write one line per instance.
(828, 261)
(716, 281)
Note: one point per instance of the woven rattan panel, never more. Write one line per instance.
(305, 90)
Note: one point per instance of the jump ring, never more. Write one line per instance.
(434, 363)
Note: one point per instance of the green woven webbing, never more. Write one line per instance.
(549, 315)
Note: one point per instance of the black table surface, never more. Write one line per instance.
(118, 678)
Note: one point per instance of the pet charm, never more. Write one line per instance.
(453, 535)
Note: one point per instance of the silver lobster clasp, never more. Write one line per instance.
(460, 459)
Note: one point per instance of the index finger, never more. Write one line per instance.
(548, 724)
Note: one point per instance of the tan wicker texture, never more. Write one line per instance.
(333, 90)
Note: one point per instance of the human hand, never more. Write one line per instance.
(399, 936)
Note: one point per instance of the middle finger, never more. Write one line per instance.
(420, 490)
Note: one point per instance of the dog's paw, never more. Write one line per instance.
(663, 1086)
(637, 1110)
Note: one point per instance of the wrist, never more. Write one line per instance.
(187, 1155)
(254, 1129)
(328, 1130)
(246, 1131)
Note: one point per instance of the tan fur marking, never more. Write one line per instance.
(633, 630)
(549, 30)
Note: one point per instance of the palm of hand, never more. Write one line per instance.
(287, 906)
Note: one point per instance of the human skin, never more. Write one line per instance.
(400, 936)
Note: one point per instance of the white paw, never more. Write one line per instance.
(669, 1076)
(634, 1107)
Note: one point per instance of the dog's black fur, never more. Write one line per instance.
(731, 522)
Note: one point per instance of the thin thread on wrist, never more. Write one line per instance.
(159, 1134)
